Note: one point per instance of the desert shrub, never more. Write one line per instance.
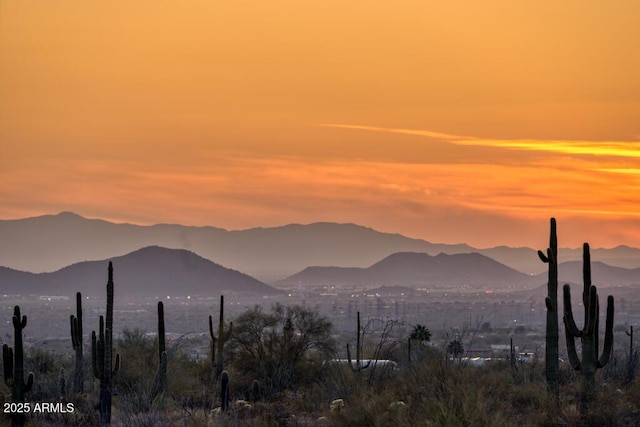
(276, 347)
(45, 366)
(134, 381)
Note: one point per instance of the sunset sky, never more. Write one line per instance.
(451, 121)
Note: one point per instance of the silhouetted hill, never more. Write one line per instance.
(151, 271)
(51, 242)
(602, 275)
(417, 270)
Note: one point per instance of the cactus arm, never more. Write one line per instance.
(569, 322)
(97, 350)
(213, 337)
(548, 304)
(608, 335)
(572, 354)
(116, 366)
(229, 332)
(17, 323)
(7, 359)
(76, 325)
(74, 344)
(543, 257)
(28, 384)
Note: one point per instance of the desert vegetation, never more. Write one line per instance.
(285, 365)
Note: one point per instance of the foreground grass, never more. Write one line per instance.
(432, 391)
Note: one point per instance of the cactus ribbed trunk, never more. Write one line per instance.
(630, 335)
(224, 390)
(589, 362)
(160, 385)
(551, 364)
(359, 366)
(102, 355)
(13, 364)
(217, 343)
(77, 343)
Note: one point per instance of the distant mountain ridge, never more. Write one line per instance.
(471, 270)
(150, 271)
(51, 242)
(413, 269)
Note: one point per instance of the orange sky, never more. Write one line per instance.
(449, 120)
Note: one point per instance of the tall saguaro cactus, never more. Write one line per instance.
(76, 341)
(632, 360)
(13, 364)
(551, 364)
(588, 335)
(217, 343)
(102, 355)
(13, 360)
(224, 390)
(359, 366)
(160, 385)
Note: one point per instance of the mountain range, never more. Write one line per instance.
(472, 270)
(155, 271)
(150, 271)
(416, 270)
(51, 242)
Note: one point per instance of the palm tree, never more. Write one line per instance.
(420, 333)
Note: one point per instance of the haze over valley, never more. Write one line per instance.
(338, 268)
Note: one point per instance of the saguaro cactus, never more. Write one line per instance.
(13, 360)
(217, 361)
(102, 355)
(632, 360)
(13, 364)
(224, 390)
(359, 365)
(588, 335)
(630, 335)
(551, 364)
(76, 342)
(160, 385)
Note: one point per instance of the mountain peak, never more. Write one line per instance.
(68, 214)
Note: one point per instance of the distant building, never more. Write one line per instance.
(53, 298)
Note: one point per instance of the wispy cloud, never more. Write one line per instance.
(470, 197)
(427, 133)
(623, 149)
